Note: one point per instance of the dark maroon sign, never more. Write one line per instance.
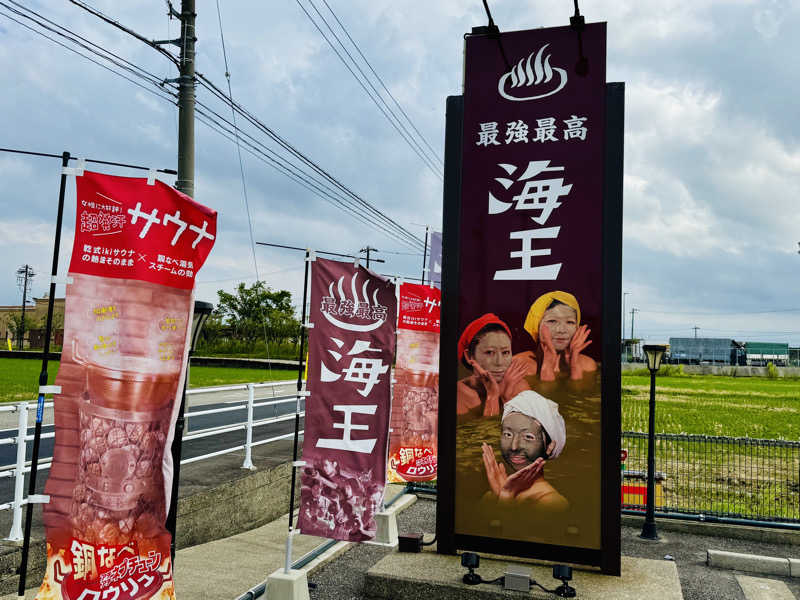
(528, 441)
(532, 180)
(351, 351)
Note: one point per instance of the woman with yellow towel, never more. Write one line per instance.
(554, 322)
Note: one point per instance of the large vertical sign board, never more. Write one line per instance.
(412, 442)
(523, 409)
(128, 314)
(351, 350)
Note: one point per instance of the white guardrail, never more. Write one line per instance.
(22, 466)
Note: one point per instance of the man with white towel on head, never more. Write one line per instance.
(532, 431)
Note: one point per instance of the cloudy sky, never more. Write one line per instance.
(712, 140)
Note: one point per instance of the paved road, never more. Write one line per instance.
(191, 448)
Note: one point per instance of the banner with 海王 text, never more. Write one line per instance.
(351, 345)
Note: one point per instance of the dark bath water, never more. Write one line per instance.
(575, 474)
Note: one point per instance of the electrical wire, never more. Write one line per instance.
(210, 86)
(376, 94)
(409, 140)
(349, 193)
(289, 171)
(165, 95)
(74, 37)
(383, 85)
(127, 30)
(244, 184)
(344, 197)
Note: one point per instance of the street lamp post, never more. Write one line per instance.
(654, 355)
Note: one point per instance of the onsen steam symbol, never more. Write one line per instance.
(527, 75)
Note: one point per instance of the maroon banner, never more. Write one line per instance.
(128, 314)
(351, 351)
(413, 438)
(528, 441)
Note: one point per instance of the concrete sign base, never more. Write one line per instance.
(287, 586)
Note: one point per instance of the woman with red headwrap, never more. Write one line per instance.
(485, 348)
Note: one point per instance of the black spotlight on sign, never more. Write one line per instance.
(470, 560)
(564, 574)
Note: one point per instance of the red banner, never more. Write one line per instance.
(127, 319)
(412, 442)
(351, 349)
(127, 229)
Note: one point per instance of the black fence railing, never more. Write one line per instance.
(741, 478)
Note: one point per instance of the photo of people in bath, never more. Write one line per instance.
(528, 433)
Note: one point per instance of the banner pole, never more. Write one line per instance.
(288, 564)
(26, 542)
(177, 450)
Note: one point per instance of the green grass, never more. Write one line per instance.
(754, 407)
(728, 479)
(19, 377)
(208, 376)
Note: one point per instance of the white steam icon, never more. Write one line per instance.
(524, 75)
(356, 301)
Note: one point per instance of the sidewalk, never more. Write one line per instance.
(227, 568)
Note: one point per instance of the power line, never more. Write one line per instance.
(383, 85)
(718, 314)
(344, 197)
(206, 83)
(376, 94)
(289, 171)
(74, 37)
(127, 30)
(165, 95)
(406, 136)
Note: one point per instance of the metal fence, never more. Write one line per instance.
(696, 475)
(741, 478)
(247, 425)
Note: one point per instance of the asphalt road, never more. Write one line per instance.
(191, 448)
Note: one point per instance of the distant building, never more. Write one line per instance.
(698, 351)
(761, 353)
(35, 316)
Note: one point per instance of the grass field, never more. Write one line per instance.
(738, 478)
(726, 406)
(19, 378)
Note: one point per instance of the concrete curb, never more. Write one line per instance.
(752, 563)
(737, 532)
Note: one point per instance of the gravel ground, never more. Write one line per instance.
(343, 578)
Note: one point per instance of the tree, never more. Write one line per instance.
(15, 325)
(251, 310)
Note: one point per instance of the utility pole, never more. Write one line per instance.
(425, 256)
(623, 313)
(24, 275)
(633, 314)
(695, 331)
(186, 97)
(369, 249)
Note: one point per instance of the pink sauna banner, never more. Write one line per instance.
(127, 321)
(415, 403)
(351, 350)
